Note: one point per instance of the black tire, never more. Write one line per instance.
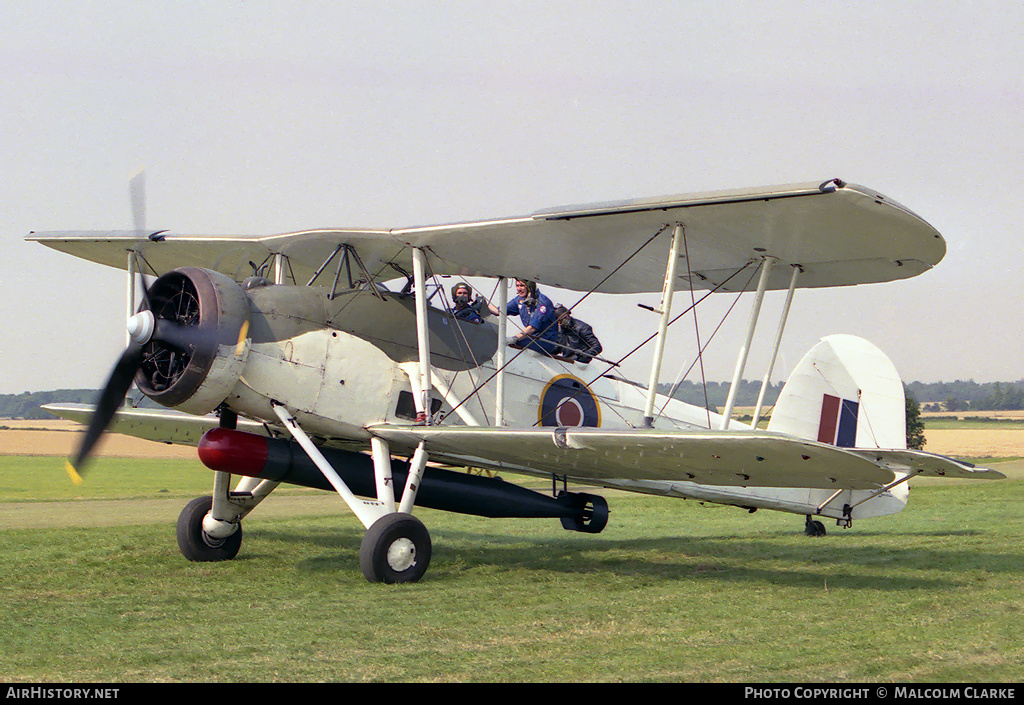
(814, 528)
(395, 549)
(194, 543)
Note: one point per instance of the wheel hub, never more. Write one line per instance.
(210, 541)
(401, 555)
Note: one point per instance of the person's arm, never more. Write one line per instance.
(511, 309)
(591, 342)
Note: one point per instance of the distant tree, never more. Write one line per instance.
(1003, 398)
(1015, 399)
(915, 425)
(955, 404)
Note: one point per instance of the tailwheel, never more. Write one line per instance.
(812, 527)
(193, 541)
(395, 549)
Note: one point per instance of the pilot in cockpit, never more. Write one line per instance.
(463, 305)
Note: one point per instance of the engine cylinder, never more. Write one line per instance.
(195, 378)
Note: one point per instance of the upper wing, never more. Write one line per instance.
(734, 458)
(233, 255)
(838, 234)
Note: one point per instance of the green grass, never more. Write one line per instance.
(671, 591)
(29, 478)
(982, 423)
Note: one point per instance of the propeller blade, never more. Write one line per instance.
(110, 399)
(137, 188)
(184, 337)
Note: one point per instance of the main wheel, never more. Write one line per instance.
(395, 549)
(195, 544)
(814, 527)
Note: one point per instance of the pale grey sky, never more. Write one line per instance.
(260, 117)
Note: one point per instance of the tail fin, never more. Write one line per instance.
(844, 392)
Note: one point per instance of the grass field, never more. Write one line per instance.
(671, 591)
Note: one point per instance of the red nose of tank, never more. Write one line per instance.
(232, 451)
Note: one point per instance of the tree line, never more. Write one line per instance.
(932, 396)
(968, 395)
(27, 405)
(715, 394)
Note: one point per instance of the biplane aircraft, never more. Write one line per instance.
(289, 359)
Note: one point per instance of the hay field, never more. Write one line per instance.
(972, 441)
(60, 438)
(976, 443)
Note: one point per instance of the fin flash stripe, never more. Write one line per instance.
(838, 423)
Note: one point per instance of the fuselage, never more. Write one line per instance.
(350, 362)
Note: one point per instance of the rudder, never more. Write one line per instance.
(844, 392)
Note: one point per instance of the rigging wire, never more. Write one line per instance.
(680, 379)
(555, 323)
(651, 337)
(696, 330)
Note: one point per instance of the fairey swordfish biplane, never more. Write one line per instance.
(288, 358)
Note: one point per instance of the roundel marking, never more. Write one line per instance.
(568, 401)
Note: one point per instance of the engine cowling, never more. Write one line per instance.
(197, 376)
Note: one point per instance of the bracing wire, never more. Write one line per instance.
(653, 336)
(696, 330)
(592, 290)
(700, 352)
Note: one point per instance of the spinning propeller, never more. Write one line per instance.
(164, 336)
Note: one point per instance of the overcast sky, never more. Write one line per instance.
(258, 117)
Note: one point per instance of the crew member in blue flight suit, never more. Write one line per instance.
(540, 327)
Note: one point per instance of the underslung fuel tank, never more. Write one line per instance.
(279, 460)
